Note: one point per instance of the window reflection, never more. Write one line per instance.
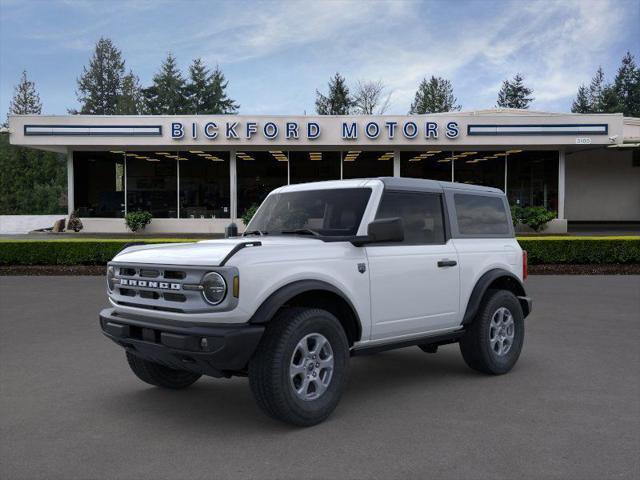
(204, 184)
(367, 164)
(532, 179)
(152, 183)
(431, 164)
(314, 166)
(258, 173)
(99, 184)
(480, 168)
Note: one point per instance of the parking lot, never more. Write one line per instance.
(71, 409)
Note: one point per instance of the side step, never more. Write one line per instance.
(433, 340)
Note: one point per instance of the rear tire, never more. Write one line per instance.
(159, 375)
(299, 370)
(493, 341)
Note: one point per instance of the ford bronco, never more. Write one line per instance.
(324, 272)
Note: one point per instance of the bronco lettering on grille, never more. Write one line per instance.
(129, 282)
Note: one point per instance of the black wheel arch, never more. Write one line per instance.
(496, 278)
(314, 294)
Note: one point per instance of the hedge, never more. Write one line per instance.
(568, 250)
(581, 250)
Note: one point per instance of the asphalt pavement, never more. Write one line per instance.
(71, 409)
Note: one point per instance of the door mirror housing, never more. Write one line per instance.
(383, 230)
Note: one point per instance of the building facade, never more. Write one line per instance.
(198, 173)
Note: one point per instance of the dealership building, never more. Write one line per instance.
(198, 173)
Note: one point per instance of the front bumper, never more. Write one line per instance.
(214, 350)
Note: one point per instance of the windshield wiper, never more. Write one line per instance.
(260, 233)
(301, 231)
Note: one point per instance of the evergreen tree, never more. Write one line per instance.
(25, 99)
(434, 95)
(206, 91)
(514, 94)
(338, 101)
(167, 95)
(130, 101)
(581, 104)
(596, 91)
(100, 85)
(627, 86)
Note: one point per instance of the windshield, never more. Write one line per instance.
(336, 212)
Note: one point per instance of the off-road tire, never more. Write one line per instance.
(159, 375)
(475, 344)
(269, 375)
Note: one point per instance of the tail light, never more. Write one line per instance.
(525, 265)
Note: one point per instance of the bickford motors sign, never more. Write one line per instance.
(294, 130)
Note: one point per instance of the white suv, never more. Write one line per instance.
(325, 271)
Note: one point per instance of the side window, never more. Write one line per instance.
(421, 215)
(481, 215)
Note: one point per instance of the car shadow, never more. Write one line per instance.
(229, 405)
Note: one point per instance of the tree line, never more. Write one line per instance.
(33, 181)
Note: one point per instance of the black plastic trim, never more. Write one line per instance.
(236, 249)
(230, 346)
(481, 288)
(280, 297)
(441, 339)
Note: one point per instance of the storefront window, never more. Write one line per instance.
(480, 168)
(365, 164)
(99, 184)
(314, 166)
(204, 184)
(258, 173)
(152, 183)
(532, 178)
(431, 164)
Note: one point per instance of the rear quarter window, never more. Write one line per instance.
(481, 215)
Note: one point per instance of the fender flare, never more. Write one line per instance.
(280, 297)
(482, 285)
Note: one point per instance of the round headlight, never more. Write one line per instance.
(214, 288)
(111, 275)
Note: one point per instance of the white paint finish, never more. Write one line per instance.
(561, 182)
(20, 224)
(331, 131)
(410, 294)
(71, 195)
(476, 256)
(602, 185)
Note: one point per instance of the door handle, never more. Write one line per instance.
(447, 263)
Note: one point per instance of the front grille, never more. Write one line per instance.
(157, 287)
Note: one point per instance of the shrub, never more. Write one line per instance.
(537, 217)
(74, 223)
(137, 220)
(582, 250)
(249, 213)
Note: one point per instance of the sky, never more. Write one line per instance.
(276, 54)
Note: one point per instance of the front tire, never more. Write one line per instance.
(159, 375)
(299, 370)
(493, 342)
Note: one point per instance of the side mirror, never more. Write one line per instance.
(383, 230)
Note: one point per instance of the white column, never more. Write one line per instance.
(396, 163)
(70, 183)
(506, 169)
(561, 176)
(233, 186)
(177, 188)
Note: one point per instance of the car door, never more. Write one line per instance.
(414, 283)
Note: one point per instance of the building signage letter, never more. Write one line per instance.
(452, 130)
(372, 130)
(210, 130)
(391, 129)
(231, 130)
(410, 130)
(292, 130)
(177, 130)
(270, 130)
(252, 127)
(431, 130)
(313, 130)
(350, 132)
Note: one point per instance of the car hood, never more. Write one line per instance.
(204, 253)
